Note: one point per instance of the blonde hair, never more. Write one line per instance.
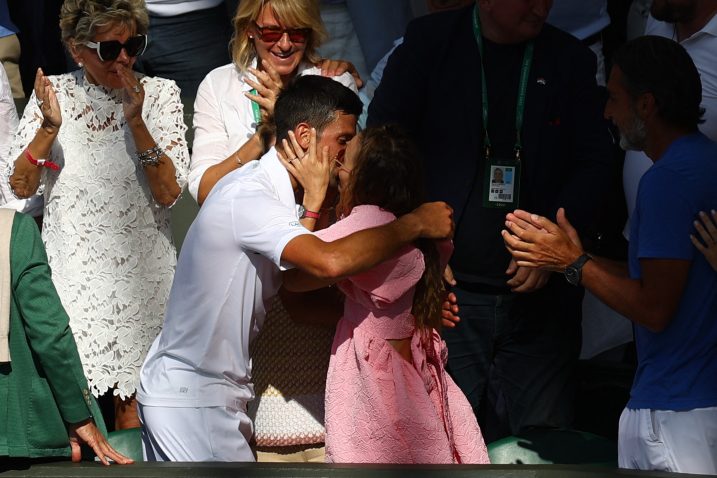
(81, 19)
(295, 13)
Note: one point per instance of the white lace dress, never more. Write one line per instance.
(108, 242)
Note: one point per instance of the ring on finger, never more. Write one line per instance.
(39, 102)
(136, 88)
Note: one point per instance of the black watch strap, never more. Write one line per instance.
(574, 272)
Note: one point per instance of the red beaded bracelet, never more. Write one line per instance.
(41, 162)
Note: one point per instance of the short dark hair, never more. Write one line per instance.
(662, 67)
(313, 100)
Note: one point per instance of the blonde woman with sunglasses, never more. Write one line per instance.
(273, 41)
(106, 147)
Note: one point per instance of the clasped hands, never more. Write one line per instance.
(536, 242)
(537, 245)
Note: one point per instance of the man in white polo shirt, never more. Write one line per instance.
(196, 380)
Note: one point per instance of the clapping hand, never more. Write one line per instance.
(267, 85)
(535, 241)
(132, 94)
(47, 101)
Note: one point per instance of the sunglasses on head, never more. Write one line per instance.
(274, 34)
(109, 50)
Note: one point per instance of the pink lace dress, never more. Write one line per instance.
(381, 408)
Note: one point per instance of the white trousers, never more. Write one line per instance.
(682, 442)
(195, 434)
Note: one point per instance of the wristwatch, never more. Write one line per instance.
(303, 212)
(574, 272)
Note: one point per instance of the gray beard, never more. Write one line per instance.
(634, 138)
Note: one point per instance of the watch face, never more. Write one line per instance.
(301, 211)
(572, 275)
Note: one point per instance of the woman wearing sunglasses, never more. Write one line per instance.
(273, 41)
(107, 147)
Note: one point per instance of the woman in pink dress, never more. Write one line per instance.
(388, 396)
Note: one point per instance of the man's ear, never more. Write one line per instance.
(302, 133)
(646, 106)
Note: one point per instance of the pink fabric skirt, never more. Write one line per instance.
(381, 408)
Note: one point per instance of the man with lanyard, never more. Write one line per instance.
(492, 87)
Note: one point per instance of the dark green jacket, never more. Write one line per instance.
(43, 388)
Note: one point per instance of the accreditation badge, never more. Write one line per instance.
(501, 184)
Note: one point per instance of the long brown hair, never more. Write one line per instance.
(388, 173)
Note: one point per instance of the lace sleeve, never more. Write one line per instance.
(8, 115)
(166, 125)
(29, 124)
(8, 125)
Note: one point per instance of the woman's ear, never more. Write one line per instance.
(74, 51)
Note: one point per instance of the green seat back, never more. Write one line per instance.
(542, 446)
(128, 442)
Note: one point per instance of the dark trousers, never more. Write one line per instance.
(514, 355)
(186, 47)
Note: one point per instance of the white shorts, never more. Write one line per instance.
(195, 434)
(682, 442)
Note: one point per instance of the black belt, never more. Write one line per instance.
(478, 288)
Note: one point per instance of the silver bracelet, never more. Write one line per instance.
(150, 157)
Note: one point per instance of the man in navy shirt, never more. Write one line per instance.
(669, 290)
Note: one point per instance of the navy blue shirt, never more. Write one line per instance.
(677, 368)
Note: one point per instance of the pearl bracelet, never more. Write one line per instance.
(150, 157)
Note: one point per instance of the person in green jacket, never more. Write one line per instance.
(46, 409)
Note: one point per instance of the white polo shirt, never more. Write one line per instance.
(227, 271)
